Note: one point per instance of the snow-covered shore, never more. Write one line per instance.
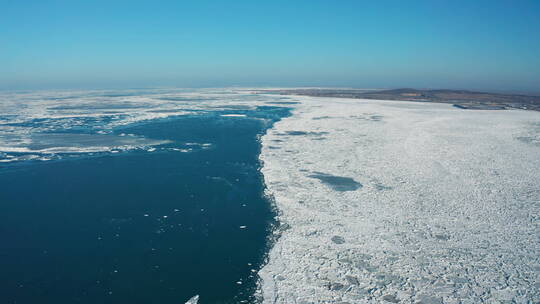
(403, 202)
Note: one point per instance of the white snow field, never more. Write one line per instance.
(401, 202)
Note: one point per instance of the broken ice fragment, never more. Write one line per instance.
(193, 300)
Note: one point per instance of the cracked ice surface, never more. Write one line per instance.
(448, 211)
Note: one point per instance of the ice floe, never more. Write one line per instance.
(233, 115)
(403, 203)
(193, 300)
(76, 143)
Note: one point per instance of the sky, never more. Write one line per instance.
(473, 44)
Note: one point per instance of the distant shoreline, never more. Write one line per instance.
(459, 98)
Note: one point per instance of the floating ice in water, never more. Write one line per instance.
(181, 150)
(83, 122)
(233, 115)
(193, 300)
(75, 143)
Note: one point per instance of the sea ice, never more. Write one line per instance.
(193, 300)
(402, 203)
(83, 122)
(233, 115)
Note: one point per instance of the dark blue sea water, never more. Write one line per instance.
(141, 226)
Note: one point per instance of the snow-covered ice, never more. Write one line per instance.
(193, 300)
(401, 202)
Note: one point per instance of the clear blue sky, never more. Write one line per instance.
(451, 44)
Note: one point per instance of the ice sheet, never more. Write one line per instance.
(448, 211)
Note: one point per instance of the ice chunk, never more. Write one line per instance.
(193, 300)
(233, 115)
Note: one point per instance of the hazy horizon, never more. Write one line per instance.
(485, 45)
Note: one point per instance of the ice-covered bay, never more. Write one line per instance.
(383, 201)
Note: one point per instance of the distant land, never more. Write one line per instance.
(459, 98)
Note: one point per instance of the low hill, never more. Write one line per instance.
(460, 98)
